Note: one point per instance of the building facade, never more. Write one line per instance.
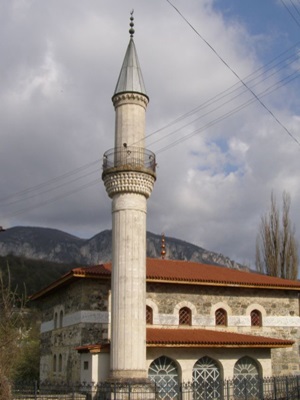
(199, 317)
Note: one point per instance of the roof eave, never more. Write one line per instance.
(213, 283)
(219, 345)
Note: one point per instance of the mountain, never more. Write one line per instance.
(57, 246)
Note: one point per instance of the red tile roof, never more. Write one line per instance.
(181, 272)
(204, 274)
(167, 337)
(208, 338)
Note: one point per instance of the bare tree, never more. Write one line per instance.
(276, 246)
(11, 318)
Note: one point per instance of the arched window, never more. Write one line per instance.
(246, 375)
(60, 363)
(207, 379)
(221, 317)
(185, 316)
(149, 315)
(54, 363)
(163, 372)
(256, 319)
(61, 316)
(55, 320)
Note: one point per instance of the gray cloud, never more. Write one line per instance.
(59, 66)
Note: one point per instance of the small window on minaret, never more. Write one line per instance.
(85, 365)
(149, 315)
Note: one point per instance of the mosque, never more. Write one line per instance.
(137, 319)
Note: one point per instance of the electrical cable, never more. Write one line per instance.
(214, 99)
(237, 76)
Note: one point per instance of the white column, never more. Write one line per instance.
(128, 341)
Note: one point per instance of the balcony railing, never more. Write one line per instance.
(129, 158)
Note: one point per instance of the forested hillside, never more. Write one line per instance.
(28, 276)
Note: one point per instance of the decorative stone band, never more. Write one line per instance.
(129, 182)
(130, 98)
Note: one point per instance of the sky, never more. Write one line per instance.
(223, 119)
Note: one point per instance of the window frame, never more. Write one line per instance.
(185, 316)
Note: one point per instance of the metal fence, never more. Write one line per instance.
(129, 157)
(275, 388)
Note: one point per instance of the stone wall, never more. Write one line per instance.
(279, 309)
(86, 319)
(84, 308)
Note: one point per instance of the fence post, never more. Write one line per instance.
(35, 390)
(115, 389)
(275, 388)
(287, 388)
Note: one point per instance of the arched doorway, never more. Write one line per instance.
(247, 378)
(207, 379)
(164, 373)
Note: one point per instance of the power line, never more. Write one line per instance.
(290, 13)
(53, 199)
(219, 119)
(50, 181)
(236, 75)
(235, 90)
(260, 72)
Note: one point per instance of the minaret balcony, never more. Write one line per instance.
(129, 158)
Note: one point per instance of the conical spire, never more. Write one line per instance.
(130, 78)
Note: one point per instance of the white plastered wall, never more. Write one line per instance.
(186, 358)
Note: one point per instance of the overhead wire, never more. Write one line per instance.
(53, 199)
(239, 86)
(273, 86)
(222, 117)
(289, 11)
(236, 75)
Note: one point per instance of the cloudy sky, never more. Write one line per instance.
(223, 118)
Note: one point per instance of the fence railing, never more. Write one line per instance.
(129, 157)
(275, 388)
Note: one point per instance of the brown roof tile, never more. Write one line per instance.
(192, 272)
(167, 337)
(181, 272)
(208, 338)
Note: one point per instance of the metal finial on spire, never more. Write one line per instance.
(163, 247)
(131, 30)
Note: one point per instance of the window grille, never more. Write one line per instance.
(163, 372)
(61, 316)
(207, 380)
(54, 363)
(221, 317)
(55, 321)
(246, 378)
(256, 319)
(60, 363)
(185, 316)
(149, 315)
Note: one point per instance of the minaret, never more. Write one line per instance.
(129, 176)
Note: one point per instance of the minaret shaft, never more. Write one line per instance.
(128, 350)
